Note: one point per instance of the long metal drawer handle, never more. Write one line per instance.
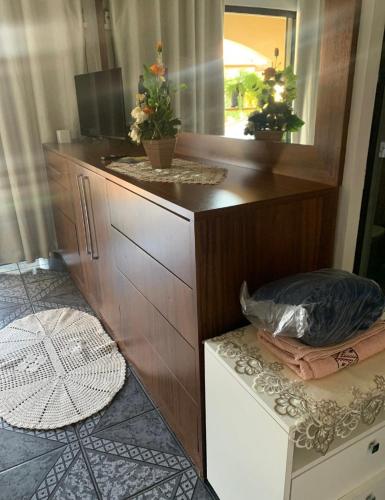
(83, 209)
(91, 218)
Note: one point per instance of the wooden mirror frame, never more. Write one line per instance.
(324, 160)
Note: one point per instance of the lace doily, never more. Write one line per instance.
(56, 367)
(183, 171)
(318, 419)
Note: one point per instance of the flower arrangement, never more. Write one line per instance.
(275, 112)
(153, 115)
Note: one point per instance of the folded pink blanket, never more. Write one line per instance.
(317, 362)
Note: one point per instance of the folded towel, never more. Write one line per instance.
(317, 362)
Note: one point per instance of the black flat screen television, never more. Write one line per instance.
(101, 104)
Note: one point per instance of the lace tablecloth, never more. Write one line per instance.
(315, 412)
(183, 171)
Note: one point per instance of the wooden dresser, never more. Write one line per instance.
(162, 264)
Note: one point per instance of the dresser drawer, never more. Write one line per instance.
(159, 232)
(61, 198)
(147, 342)
(342, 472)
(173, 298)
(177, 354)
(374, 489)
(58, 169)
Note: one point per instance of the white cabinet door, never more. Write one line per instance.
(247, 451)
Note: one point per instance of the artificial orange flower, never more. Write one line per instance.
(159, 47)
(157, 69)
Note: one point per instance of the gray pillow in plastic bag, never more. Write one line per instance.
(319, 308)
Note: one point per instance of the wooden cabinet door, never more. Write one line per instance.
(101, 246)
(89, 286)
(92, 217)
(65, 226)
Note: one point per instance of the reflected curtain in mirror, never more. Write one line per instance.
(41, 48)
(192, 36)
(307, 58)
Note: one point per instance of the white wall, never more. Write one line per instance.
(364, 88)
(265, 4)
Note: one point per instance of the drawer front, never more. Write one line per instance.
(176, 353)
(173, 298)
(160, 233)
(61, 198)
(373, 489)
(136, 338)
(343, 471)
(58, 169)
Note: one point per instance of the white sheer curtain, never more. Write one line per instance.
(41, 48)
(308, 43)
(192, 35)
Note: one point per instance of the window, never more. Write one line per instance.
(254, 39)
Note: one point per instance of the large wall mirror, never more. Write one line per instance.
(221, 50)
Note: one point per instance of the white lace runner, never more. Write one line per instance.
(56, 367)
(314, 412)
(183, 171)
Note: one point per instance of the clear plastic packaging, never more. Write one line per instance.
(319, 308)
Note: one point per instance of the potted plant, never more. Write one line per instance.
(244, 88)
(155, 124)
(274, 115)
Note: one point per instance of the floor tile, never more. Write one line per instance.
(162, 491)
(12, 308)
(130, 401)
(44, 306)
(19, 483)
(185, 486)
(147, 430)
(30, 275)
(12, 285)
(58, 289)
(57, 471)
(77, 484)
(55, 292)
(138, 453)
(18, 448)
(64, 435)
(118, 478)
(87, 426)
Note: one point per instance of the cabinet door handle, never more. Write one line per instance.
(91, 218)
(84, 213)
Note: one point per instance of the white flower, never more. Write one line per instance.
(139, 115)
(135, 134)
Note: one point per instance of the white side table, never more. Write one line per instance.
(272, 436)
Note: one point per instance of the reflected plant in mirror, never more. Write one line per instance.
(274, 114)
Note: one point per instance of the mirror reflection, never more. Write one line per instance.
(250, 66)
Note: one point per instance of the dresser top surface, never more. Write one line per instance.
(240, 187)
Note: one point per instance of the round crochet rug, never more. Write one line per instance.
(56, 367)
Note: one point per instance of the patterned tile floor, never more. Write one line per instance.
(126, 451)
